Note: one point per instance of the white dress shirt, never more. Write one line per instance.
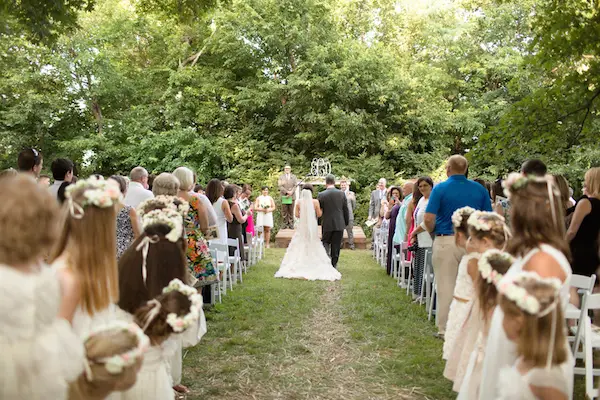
(136, 194)
(54, 188)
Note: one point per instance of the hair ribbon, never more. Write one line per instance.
(75, 209)
(144, 247)
(154, 311)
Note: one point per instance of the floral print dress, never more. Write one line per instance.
(198, 255)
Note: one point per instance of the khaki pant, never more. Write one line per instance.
(446, 257)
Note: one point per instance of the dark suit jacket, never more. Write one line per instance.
(335, 210)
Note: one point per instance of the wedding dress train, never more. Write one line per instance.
(306, 257)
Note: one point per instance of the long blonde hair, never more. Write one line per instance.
(89, 246)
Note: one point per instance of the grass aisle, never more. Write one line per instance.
(360, 338)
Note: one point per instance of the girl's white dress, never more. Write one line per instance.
(459, 309)
(512, 385)
(500, 352)
(469, 388)
(264, 218)
(39, 353)
(161, 367)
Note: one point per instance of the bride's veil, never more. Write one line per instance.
(307, 226)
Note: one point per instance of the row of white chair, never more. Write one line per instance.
(232, 268)
(402, 267)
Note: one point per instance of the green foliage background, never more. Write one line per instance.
(235, 89)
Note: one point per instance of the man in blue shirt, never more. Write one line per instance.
(456, 192)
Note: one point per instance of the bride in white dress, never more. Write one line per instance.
(306, 257)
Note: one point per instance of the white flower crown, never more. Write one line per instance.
(485, 268)
(180, 324)
(517, 180)
(530, 304)
(168, 217)
(474, 220)
(458, 215)
(115, 364)
(97, 192)
(169, 203)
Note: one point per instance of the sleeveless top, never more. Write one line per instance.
(584, 246)
(124, 231)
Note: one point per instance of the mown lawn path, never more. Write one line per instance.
(359, 338)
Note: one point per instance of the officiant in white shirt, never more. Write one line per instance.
(138, 187)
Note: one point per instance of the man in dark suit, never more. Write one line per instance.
(335, 218)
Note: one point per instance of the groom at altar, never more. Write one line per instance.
(287, 188)
(335, 218)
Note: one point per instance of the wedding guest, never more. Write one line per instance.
(40, 352)
(199, 189)
(151, 179)
(199, 260)
(61, 194)
(247, 208)
(456, 192)
(500, 203)
(214, 192)
(351, 198)
(234, 228)
(138, 187)
(30, 161)
(8, 173)
(534, 167)
(44, 181)
(410, 212)
(419, 235)
(165, 184)
(62, 171)
(407, 193)
(585, 227)
(395, 197)
(127, 220)
(287, 188)
(264, 206)
(377, 196)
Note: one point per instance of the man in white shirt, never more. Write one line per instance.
(62, 171)
(138, 187)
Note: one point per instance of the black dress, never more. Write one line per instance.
(584, 246)
(234, 231)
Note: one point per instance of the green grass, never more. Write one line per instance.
(290, 339)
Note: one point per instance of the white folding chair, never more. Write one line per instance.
(383, 238)
(590, 336)
(218, 259)
(432, 302)
(396, 261)
(585, 286)
(222, 262)
(376, 236)
(236, 260)
(260, 241)
(248, 251)
(427, 280)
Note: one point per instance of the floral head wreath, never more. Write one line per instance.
(179, 324)
(168, 217)
(477, 223)
(166, 202)
(96, 192)
(513, 291)
(485, 268)
(516, 181)
(116, 363)
(457, 216)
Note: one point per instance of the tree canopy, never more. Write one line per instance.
(238, 88)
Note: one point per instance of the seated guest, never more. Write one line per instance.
(165, 184)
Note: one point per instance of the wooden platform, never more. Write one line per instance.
(284, 236)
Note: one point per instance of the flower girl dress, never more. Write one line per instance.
(512, 385)
(40, 353)
(464, 292)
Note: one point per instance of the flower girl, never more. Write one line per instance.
(85, 255)
(39, 352)
(463, 291)
(114, 356)
(178, 309)
(533, 320)
(487, 231)
(538, 244)
(492, 265)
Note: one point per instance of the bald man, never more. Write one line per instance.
(456, 192)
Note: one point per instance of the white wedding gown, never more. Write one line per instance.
(306, 257)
